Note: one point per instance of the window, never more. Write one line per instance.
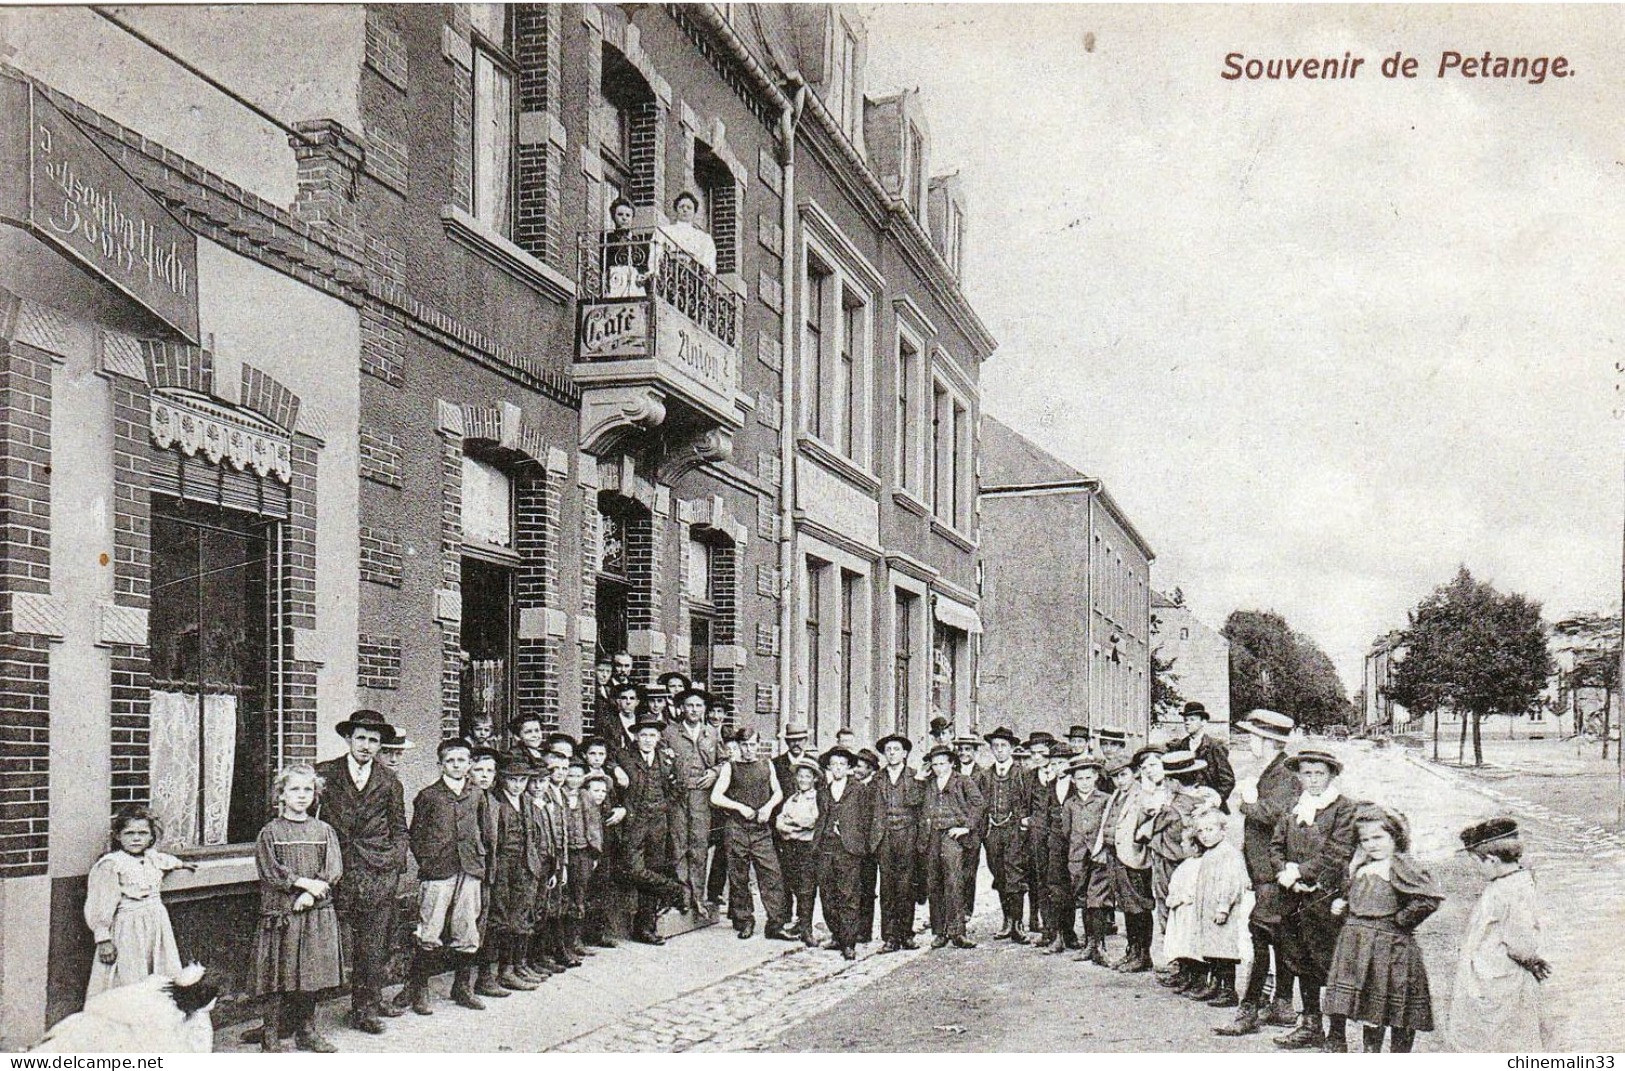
(849, 615)
(487, 504)
(940, 459)
(699, 587)
(903, 659)
(908, 368)
(914, 168)
(718, 211)
(952, 496)
(487, 642)
(215, 584)
(494, 75)
(819, 279)
(959, 514)
(848, 387)
(624, 119)
(945, 654)
(843, 83)
(955, 231)
(813, 646)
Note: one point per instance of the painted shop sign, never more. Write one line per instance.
(697, 352)
(614, 330)
(57, 184)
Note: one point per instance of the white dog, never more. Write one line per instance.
(157, 1014)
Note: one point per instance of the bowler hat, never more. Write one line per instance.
(1194, 709)
(1001, 733)
(516, 764)
(690, 693)
(1118, 763)
(844, 752)
(1479, 834)
(1060, 750)
(1268, 724)
(1040, 737)
(941, 749)
(648, 723)
(1078, 730)
(365, 719)
(795, 732)
(1326, 758)
(895, 738)
(940, 724)
(1182, 762)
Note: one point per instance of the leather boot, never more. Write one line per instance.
(559, 951)
(1280, 1013)
(1017, 935)
(1177, 977)
(573, 942)
(486, 983)
(1337, 1035)
(1246, 1023)
(415, 993)
(1310, 1034)
(271, 1033)
(509, 977)
(518, 947)
(1205, 988)
(1056, 946)
(462, 986)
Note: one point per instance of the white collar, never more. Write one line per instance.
(834, 784)
(942, 782)
(896, 773)
(1308, 806)
(456, 787)
(359, 774)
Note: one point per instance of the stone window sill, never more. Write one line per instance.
(909, 501)
(954, 536)
(474, 235)
(828, 457)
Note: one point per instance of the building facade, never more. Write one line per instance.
(1200, 655)
(1066, 594)
(1382, 714)
(364, 414)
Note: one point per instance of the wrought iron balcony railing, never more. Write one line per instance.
(646, 263)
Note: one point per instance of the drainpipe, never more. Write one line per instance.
(788, 588)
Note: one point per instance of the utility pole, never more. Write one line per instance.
(1619, 756)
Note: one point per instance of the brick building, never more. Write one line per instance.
(363, 417)
(1066, 594)
(1200, 656)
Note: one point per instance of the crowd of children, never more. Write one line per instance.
(531, 858)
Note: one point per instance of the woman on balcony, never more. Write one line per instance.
(626, 255)
(688, 237)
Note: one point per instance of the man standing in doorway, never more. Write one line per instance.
(699, 757)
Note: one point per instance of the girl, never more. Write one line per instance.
(123, 908)
(1377, 975)
(298, 950)
(1495, 1005)
(1222, 886)
(798, 817)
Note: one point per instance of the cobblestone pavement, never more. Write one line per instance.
(708, 991)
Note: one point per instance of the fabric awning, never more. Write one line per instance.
(957, 614)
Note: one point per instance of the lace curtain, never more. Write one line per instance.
(193, 760)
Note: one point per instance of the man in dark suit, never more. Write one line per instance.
(1261, 808)
(651, 794)
(795, 745)
(845, 835)
(1217, 775)
(366, 807)
(1007, 790)
(951, 811)
(898, 795)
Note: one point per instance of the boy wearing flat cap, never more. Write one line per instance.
(1082, 820)
(364, 803)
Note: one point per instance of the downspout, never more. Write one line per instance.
(1089, 594)
(789, 590)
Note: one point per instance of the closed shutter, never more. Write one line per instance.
(180, 476)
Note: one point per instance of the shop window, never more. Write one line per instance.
(946, 650)
(903, 660)
(494, 116)
(216, 587)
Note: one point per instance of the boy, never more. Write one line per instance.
(951, 809)
(594, 880)
(1127, 866)
(645, 843)
(1496, 1006)
(1083, 818)
(482, 774)
(531, 738)
(448, 834)
(547, 948)
(1007, 788)
(581, 822)
(845, 835)
(516, 867)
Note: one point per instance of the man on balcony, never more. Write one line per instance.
(686, 236)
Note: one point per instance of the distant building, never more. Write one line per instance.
(1200, 655)
(1380, 660)
(1066, 594)
(1585, 653)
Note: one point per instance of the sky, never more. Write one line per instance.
(1323, 340)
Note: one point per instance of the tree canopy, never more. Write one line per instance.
(1273, 666)
(1474, 650)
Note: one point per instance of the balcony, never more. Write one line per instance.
(657, 350)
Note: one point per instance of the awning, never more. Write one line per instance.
(956, 614)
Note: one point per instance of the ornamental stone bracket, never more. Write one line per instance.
(712, 446)
(612, 418)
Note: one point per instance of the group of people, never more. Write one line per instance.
(526, 853)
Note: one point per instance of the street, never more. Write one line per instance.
(708, 991)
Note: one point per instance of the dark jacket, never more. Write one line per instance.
(449, 832)
(1321, 849)
(1008, 800)
(897, 806)
(371, 823)
(1081, 816)
(1278, 790)
(850, 822)
(958, 803)
(652, 787)
(1218, 775)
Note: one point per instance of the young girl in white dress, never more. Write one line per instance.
(123, 906)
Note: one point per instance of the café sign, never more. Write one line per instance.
(614, 330)
(58, 185)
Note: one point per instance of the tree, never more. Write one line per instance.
(1471, 649)
(1166, 700)
(1273, 666)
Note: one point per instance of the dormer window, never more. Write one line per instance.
(914, 168)
(844, 94)
(954, 231)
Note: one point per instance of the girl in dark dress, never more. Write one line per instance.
(1377, 975)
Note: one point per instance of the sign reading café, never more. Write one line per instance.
(58, 185)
